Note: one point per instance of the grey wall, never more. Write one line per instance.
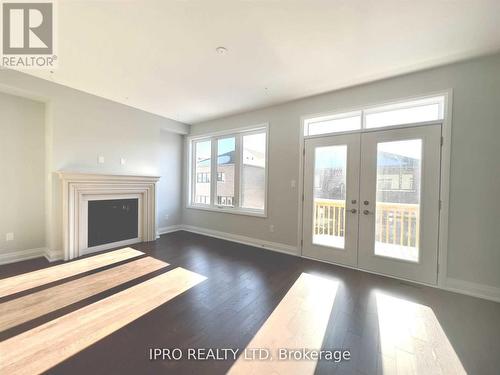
(79, 127)
(22, 161)
(170, 185)
(474, 223)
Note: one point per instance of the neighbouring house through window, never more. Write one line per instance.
(228, 171)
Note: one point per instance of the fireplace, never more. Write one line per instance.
(112, 220)
(105, 211)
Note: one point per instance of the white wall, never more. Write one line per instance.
(79, 127)
(474, 223)
(22, 160)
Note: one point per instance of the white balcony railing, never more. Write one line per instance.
(396, 223)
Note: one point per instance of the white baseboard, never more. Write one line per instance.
(53, 255)
(18, 256)
(268, 245)
(169, 229)
(472, 289)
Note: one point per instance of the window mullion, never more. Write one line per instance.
(213, 173)
(193, 172)
(363, 119)
(237, 170)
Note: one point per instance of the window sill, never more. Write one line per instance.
(234, 211)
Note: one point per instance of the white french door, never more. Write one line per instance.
(331, 186)
(371, 200)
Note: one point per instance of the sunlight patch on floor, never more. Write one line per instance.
(29, 352)
(299, 321)
(47, 275)
(411, 339)
(34, 305)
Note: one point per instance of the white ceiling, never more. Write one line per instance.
(160, 56)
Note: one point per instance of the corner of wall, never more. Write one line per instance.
(472, 289)
(53, 255)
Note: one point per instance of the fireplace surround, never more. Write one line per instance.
(80, 188)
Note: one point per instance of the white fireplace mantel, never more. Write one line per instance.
(78, 188)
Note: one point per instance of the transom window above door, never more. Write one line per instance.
(413, 111)
(228, 171)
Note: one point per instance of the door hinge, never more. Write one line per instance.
(304, 151)
(301, 243)
(442, 140)
(440, 204)
(438, 269)
(302, 197)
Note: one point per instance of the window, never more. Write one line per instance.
(203, 177)
(202, 165)
(229, 172)
(253, 171)
(224, 201)
(415, 111)
(226, 148)
(203, 199)
(334, 123)
(408, 112)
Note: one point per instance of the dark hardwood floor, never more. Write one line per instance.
(244, 285)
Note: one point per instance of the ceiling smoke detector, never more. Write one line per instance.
(221, 50)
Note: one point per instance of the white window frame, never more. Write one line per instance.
(310, 120)
(191, 175)
(363, 111)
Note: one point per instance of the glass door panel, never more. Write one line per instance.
(397, 206)
(330, 168)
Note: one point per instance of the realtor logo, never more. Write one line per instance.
(28, 34)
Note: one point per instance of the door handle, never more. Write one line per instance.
(353, 211)
(366, 212)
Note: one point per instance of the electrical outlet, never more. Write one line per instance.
(9, 237)
(271, 228)
(293, 183)
(100, 159)
(123, 161)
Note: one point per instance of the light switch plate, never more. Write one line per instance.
(123, 161)
(9, 237)
(100, 159)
